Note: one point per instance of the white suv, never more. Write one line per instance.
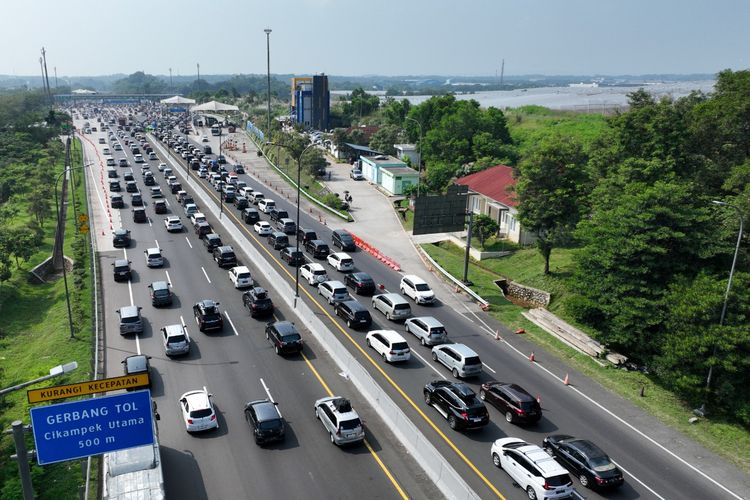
(417, 289)
(313, 273)
(389, 344)
(532, 469)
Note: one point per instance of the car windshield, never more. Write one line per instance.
(601, 464)
(400, 346)
(293, 337)
(423, 287)
(130, 319)
(319, 272)
(560, 480)
(346, 262)
(526, 405)
(161, 293)
(270, 425)
(203, 413)
(348, 425)
(438, 330)
(473, 360)
(176, 339)
(401, 307)
(243, 276)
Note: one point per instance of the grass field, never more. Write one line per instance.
(526, 266)
(35, 337)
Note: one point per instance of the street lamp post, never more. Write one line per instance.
(267, 31)
(59, 223)
(419, 167)
(726, 293)
(221, 193)
(299, 180)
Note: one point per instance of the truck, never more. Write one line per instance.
(122, 120)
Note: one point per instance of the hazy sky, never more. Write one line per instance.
(386, 37)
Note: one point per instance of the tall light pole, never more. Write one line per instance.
(299, 174)
(171, 87)
(267, 31)
(419, 167)
(221, 193)
(726, 293)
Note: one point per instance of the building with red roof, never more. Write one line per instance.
(491, 193)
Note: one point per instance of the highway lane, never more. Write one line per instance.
(650, 471)
(215, 465)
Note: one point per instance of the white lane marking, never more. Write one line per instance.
(188, 242)
(428, 364)
(149, 221)
(230, 323)
(270, 398)
(488, 367)
(137, 344)
(206, 275)
(157, 243)
(637, 480)
(169, 280)
(616, 417)
(167, 202)
(184, 328)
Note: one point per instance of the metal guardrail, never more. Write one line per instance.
(456, 281)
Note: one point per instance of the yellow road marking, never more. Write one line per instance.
(374, 363)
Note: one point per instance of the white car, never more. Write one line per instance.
(263, 228)
(197, 217)
(153, 257)
(266, 205)
(389, 344)
(532, 469)
(156, 192)
(313, 273)
(190, 209)
(106, 152)
(204, 138)
(241, 277)
(245, 191)
(198, 411)
(202, 173)
(417, 289)
(341, 261)
(173, 224)
(162, 166)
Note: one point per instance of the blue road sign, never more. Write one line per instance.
(78, 429)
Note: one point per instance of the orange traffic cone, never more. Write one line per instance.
(566, 380)
(531, 357)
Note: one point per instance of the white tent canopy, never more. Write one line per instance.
(214, 106)
(177, 100)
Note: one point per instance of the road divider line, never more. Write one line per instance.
(230, 323)
(149, 221)
(137, 344)
(328, 390)
(488, 367)
(169, 280)
(188, 242)
(270, 398)
(637, 480)
(205, 274)
(388, 474)
(157, 243)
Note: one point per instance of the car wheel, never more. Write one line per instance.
(316, 414)
(455, 372)
(509, 417)
(367, 341)
(496, 461)
(267, 337)
(482, 395)
(349, 323)
(434, 356)
(388, 316)
(584, 479)
(382, 355)
(276, 348)
(422, 341)
(333, 440)
(452, 422)
(427, 398)
(531, 493)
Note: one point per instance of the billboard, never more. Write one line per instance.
(443, 213)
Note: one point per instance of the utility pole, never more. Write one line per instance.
(197, 65)
(267, 31)
(502, 72)
(41, 67)
(468, 248)
(171, 87)
(46, 74)
(55, 68)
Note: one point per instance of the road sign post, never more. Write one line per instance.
(79, 429)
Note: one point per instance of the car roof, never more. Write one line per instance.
(414, 279)
(127, 311)
(427, 320)
(394, 297)
(197, 399)
(265, 410)
(240, 269)
(159, 285)
(284, 327)
(462, 349)
(172, 330)
(314, 266)
(391, 335)
(136, 363)
(121, 262)
(354, 305)
(587, 448)
(331, 403)
(207, 303)
(153, 250)
(334, 284)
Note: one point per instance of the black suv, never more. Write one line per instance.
(224, 256)
(305, 235)
(250, 215)
(292, 256)
(115, 201)
(284, 337)
(239, 169)
(277, 214)
(361, 283)
(458, 403)
(317, 248)
(278, 240)
(342, 239)
(240, 202)
(131, 187)
(160, 207)
(265, 421)
(114, 186)
(207, 315)
(211, 241)
(139, 215)
(121, 269)
(161, 295)
(513, 401)
(355, 314)
(586, 460)
(120, 238)
(257, 302)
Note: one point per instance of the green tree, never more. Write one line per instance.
(552, 187)
(22, 243)
(39, 205)
(396, 111)
(384, 139)
(485, 227)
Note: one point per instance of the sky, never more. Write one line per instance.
(381, 37)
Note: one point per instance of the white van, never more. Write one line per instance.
(389, 344)
(460, 359)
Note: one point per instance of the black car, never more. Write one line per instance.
(202, 229)
(257, 302)
(160, 207)
(115, 201)
(121, 269)
(228, 196)
(284, 337)
(292, 256)
(458, 403)
(355, 314)
(278, 240)
(277, 214)
(513, 401)
(361, 283)
(305, 235)
(139, 215)
(211, 241)
(136, 200)
(587, 461)
(161, 295)
(120, 238)
(149, 180)
(225, 256)
(318, 249)
(342, 239)
(131, 187)
(240, 202)
(250, 215)
(239, 169)
(175, 187)
(128, 176)
(265, 420)
(207, 315)
(115, 186)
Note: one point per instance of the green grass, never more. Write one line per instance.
(34, 338)
(529, 124)
(729, 440)
(408, 223)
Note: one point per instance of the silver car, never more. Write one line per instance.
(427, 329)
(392, 305)
(340, 420)
(176, 340)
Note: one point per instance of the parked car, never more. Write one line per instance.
(585, 460)
(240, 277)
(284, 337)
(175, 339)
(257, 301)
(340, 421)
(313, 273)
(457, 403)
(417, 289)
(207, 315)
(360, 283)
(517, 405)
(532, 469)
(392, 305)
(198, 412)
(265, 420)
(460, 359)
(161, 295)
(389, 344)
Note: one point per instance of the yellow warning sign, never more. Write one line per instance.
(90, 387)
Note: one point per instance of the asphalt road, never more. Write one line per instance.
(235, 365)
